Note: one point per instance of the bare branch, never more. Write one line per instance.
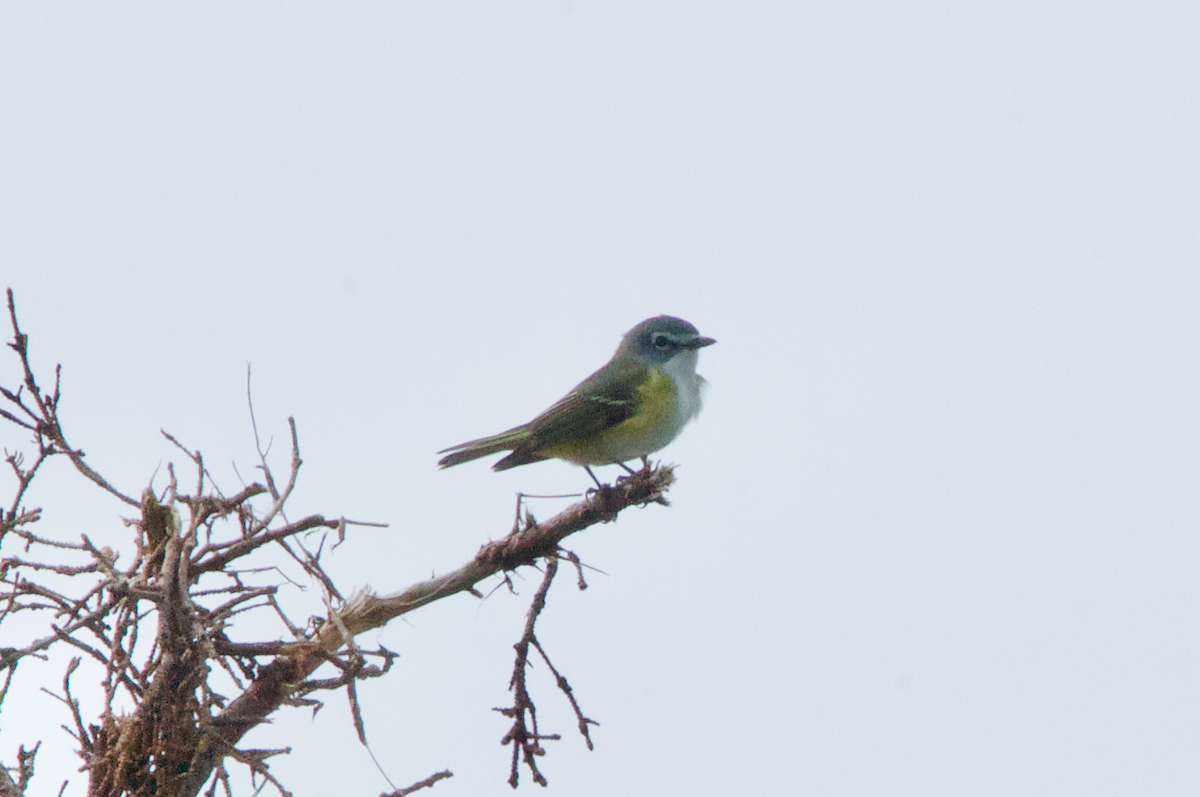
(561, 681)
(236, 550)
(424, 784)
(523, 546)
(523, 735)
(182, 581)
(47, 425)
(276, 682)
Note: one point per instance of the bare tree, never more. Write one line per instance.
(156, 612)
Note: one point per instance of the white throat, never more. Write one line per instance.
(689, 386)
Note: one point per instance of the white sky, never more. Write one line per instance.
(936, 530)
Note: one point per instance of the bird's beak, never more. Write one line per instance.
(699, 343)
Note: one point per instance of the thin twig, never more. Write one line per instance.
(423, 784)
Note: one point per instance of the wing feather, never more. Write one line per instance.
(594, 406)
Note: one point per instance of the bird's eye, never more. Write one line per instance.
(661, 341)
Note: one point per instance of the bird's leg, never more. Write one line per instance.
(599, 486)
(628, 469)
(645, 463)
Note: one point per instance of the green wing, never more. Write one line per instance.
(598, 403)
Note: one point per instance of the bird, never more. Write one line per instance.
(633, 406)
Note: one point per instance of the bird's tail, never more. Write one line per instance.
(474, 449)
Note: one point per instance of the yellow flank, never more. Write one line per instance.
(655, 402)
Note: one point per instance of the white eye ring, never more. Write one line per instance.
(661, 341)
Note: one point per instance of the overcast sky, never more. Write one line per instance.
(937, 530)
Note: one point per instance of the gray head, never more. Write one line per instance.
(661, 338)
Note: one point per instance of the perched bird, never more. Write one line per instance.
(633, 406)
